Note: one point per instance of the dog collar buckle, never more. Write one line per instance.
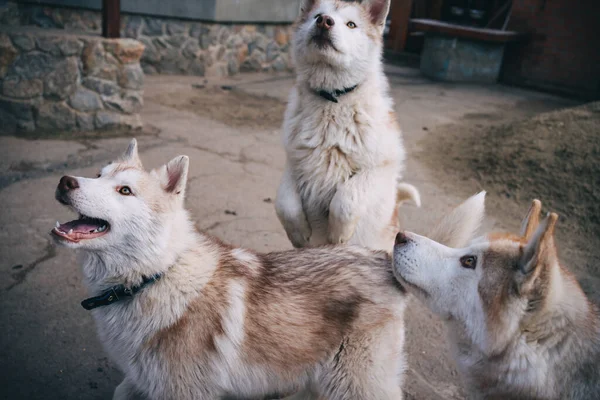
(107, 297)
(117, 293)
(333, 96)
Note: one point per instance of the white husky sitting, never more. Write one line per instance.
(345, 155)
(185, 316)
(520, 325)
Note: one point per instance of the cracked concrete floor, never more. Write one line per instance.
(48, 345)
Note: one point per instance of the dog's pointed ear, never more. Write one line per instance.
(131, 154)
(378, 11)
(459, 227)
(537, 255)
(307, 5)
(174, 174)
(532, 219)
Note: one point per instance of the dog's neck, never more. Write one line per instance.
(324, 77)
(563, 312)
(129, 265)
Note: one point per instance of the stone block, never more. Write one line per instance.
(130, 103)
(198, 30)
(176, 28)
(126, 51)
(149, 69)
(33, 65)
(63, 80)
(8, 123)
(85, 100)
(107, 119)
(56, 116)
(133, 27)
(153, 27)
(101, 86)
(151, 54)
(25, 126)
(279, 65)
(85, 122)
(177, 40)
(191, 49)
(92, 56)
(23, 41)
(131, 76)
(49, 44)
(21, 110)
(111, 120)
(70, 47)
(22, 88)
(198, 67)
(7, 54)
(272, 51)
(282, 37)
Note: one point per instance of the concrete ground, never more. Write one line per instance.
(48, 345)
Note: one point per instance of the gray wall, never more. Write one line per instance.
(275, 11)
(257, 10)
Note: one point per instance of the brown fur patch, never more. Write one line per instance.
(501, 236)
(322, 303)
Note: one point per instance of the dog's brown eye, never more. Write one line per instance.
(351, 25)
(125, 191)
(468, 262)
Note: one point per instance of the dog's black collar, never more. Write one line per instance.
(333, 96)
(118, 293)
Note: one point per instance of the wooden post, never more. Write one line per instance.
(400, 15)
(111, 18)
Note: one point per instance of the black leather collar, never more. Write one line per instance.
(118, 293)
(333, 96)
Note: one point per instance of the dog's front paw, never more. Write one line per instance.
(341, 232)
(298, 231)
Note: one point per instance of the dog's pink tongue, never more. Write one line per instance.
(80, 226)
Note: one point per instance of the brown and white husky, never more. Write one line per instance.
(520, 325)
(185, 316)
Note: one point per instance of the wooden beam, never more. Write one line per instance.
(111, 18)
(466, 32)
(400, 11)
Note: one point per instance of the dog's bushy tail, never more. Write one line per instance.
(407, 192)
(459, 227)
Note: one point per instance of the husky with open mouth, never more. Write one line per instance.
(185, 316)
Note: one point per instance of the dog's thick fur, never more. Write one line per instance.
(227, 321)
(344, 160)
(520, 325)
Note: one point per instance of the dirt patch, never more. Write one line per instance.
(229, 106)
(552, 156)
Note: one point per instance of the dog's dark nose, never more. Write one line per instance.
(401, 239)
(325, 22)
(67, 183)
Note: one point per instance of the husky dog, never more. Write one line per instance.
(520, 325)
(185, 316)
(344, 148)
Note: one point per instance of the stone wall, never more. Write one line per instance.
(174, 46)
(53, 81)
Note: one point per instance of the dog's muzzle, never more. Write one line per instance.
(66, 185)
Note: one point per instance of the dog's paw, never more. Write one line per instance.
(298, 232)
(339, 232)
